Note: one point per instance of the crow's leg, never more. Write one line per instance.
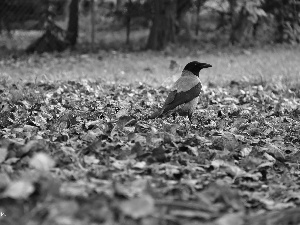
(190, 116)
(174, 114)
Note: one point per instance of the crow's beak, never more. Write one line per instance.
(205, 65)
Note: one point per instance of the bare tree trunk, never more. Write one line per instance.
(162, 30)
(128, 29)
(92, 24)
(280, 26)
(52, 39)
(199, 4)
(118, 5)
(183, 22)
(197, 16)
(72, 32)
(241, 26)
(239, 22)
(128, 21)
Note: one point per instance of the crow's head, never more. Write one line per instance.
(195, 67)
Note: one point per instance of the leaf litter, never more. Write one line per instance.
(85, 153)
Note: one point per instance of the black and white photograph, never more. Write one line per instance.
(149, 112)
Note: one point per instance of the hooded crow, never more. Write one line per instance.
(184, 95)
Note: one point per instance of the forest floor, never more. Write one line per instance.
(76, 147)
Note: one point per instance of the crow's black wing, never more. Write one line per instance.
(171, 97)
(175, 98)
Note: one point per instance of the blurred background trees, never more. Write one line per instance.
(54, 25)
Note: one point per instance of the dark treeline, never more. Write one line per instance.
(237, 21)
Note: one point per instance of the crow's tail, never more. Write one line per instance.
(156, 114)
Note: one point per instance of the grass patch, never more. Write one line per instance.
(278, 66)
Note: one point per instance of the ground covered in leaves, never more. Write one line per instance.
(85, 153)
